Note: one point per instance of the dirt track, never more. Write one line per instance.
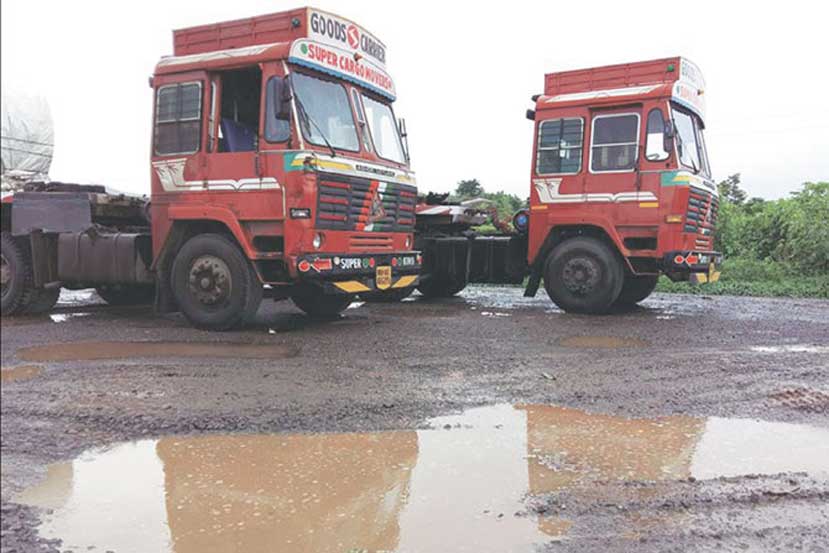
(691, 364)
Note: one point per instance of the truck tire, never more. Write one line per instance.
(317, 305)
(388, 296)
(15, 275)
(119, 295)
(432, 288)
(583, 275)
(42, 301)
(214, 284)
(636, 289)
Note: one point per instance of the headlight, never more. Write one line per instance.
(317, 242)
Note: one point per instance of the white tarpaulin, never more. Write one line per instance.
(27, 139)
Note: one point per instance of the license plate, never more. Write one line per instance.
(382, 277)
(713, 273)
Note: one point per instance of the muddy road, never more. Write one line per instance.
(489, 422)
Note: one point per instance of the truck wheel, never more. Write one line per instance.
(118, 295)
(15, 276)
(42, 301)
(214, 284)
(440, 288)
(636, 289)
(583, 275)
(318, 305)
(388, 296)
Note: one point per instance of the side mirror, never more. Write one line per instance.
(280, 95)
(670, 131)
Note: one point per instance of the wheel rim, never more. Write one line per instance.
(210, 281)
(581, 275)
(5, 275)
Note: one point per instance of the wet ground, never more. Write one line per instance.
(489, 422)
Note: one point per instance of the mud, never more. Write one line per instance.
(88, 351)
(691, 440)
(22, 372)
(602, 342)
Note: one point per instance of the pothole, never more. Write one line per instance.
(804, 399)
(89, 351)
(466, 483)
(22, 372)
(602, 342)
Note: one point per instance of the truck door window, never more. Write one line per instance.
(328, 114)
(614, 139)
(655, 138)
(239, 118)
(178, 118)
(560, 146)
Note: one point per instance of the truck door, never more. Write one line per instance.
(233, 157)
(613, 187)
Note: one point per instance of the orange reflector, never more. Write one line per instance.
(323, 265)
(673, 218)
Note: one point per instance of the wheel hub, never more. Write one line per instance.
(581, 275)
(5, 273)
(209, 280)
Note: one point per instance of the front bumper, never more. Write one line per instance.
(699, 267)
(350, 273)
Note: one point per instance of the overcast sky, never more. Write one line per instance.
(464, 72)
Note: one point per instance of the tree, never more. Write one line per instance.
(470, 188)
(730, 190)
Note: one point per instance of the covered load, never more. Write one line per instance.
(27, 139)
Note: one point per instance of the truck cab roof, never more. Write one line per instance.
(675, 77)
(304, 36)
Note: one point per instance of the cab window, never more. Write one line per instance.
(560, 146)
(178, 118)
(614, 139)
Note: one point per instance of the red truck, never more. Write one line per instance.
(278, 168)
(620, 192)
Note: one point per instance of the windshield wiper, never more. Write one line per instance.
(303, 113)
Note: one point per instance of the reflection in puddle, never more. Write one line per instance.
(23, 372)
(86, 351)
(456, 486)
(63, 317)
(602, 342)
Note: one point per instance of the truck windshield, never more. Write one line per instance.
(690, 142)
(383, 129)
(329, 115)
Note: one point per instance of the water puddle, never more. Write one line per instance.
(602, 342)
(22, 372)
(460, 485)
(792, 348)
(88, 351)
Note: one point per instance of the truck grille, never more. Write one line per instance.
(701, 217)
(355, 203)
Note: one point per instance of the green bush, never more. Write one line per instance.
(751, 277)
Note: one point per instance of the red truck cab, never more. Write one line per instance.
(275, 135)
(619, 158)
